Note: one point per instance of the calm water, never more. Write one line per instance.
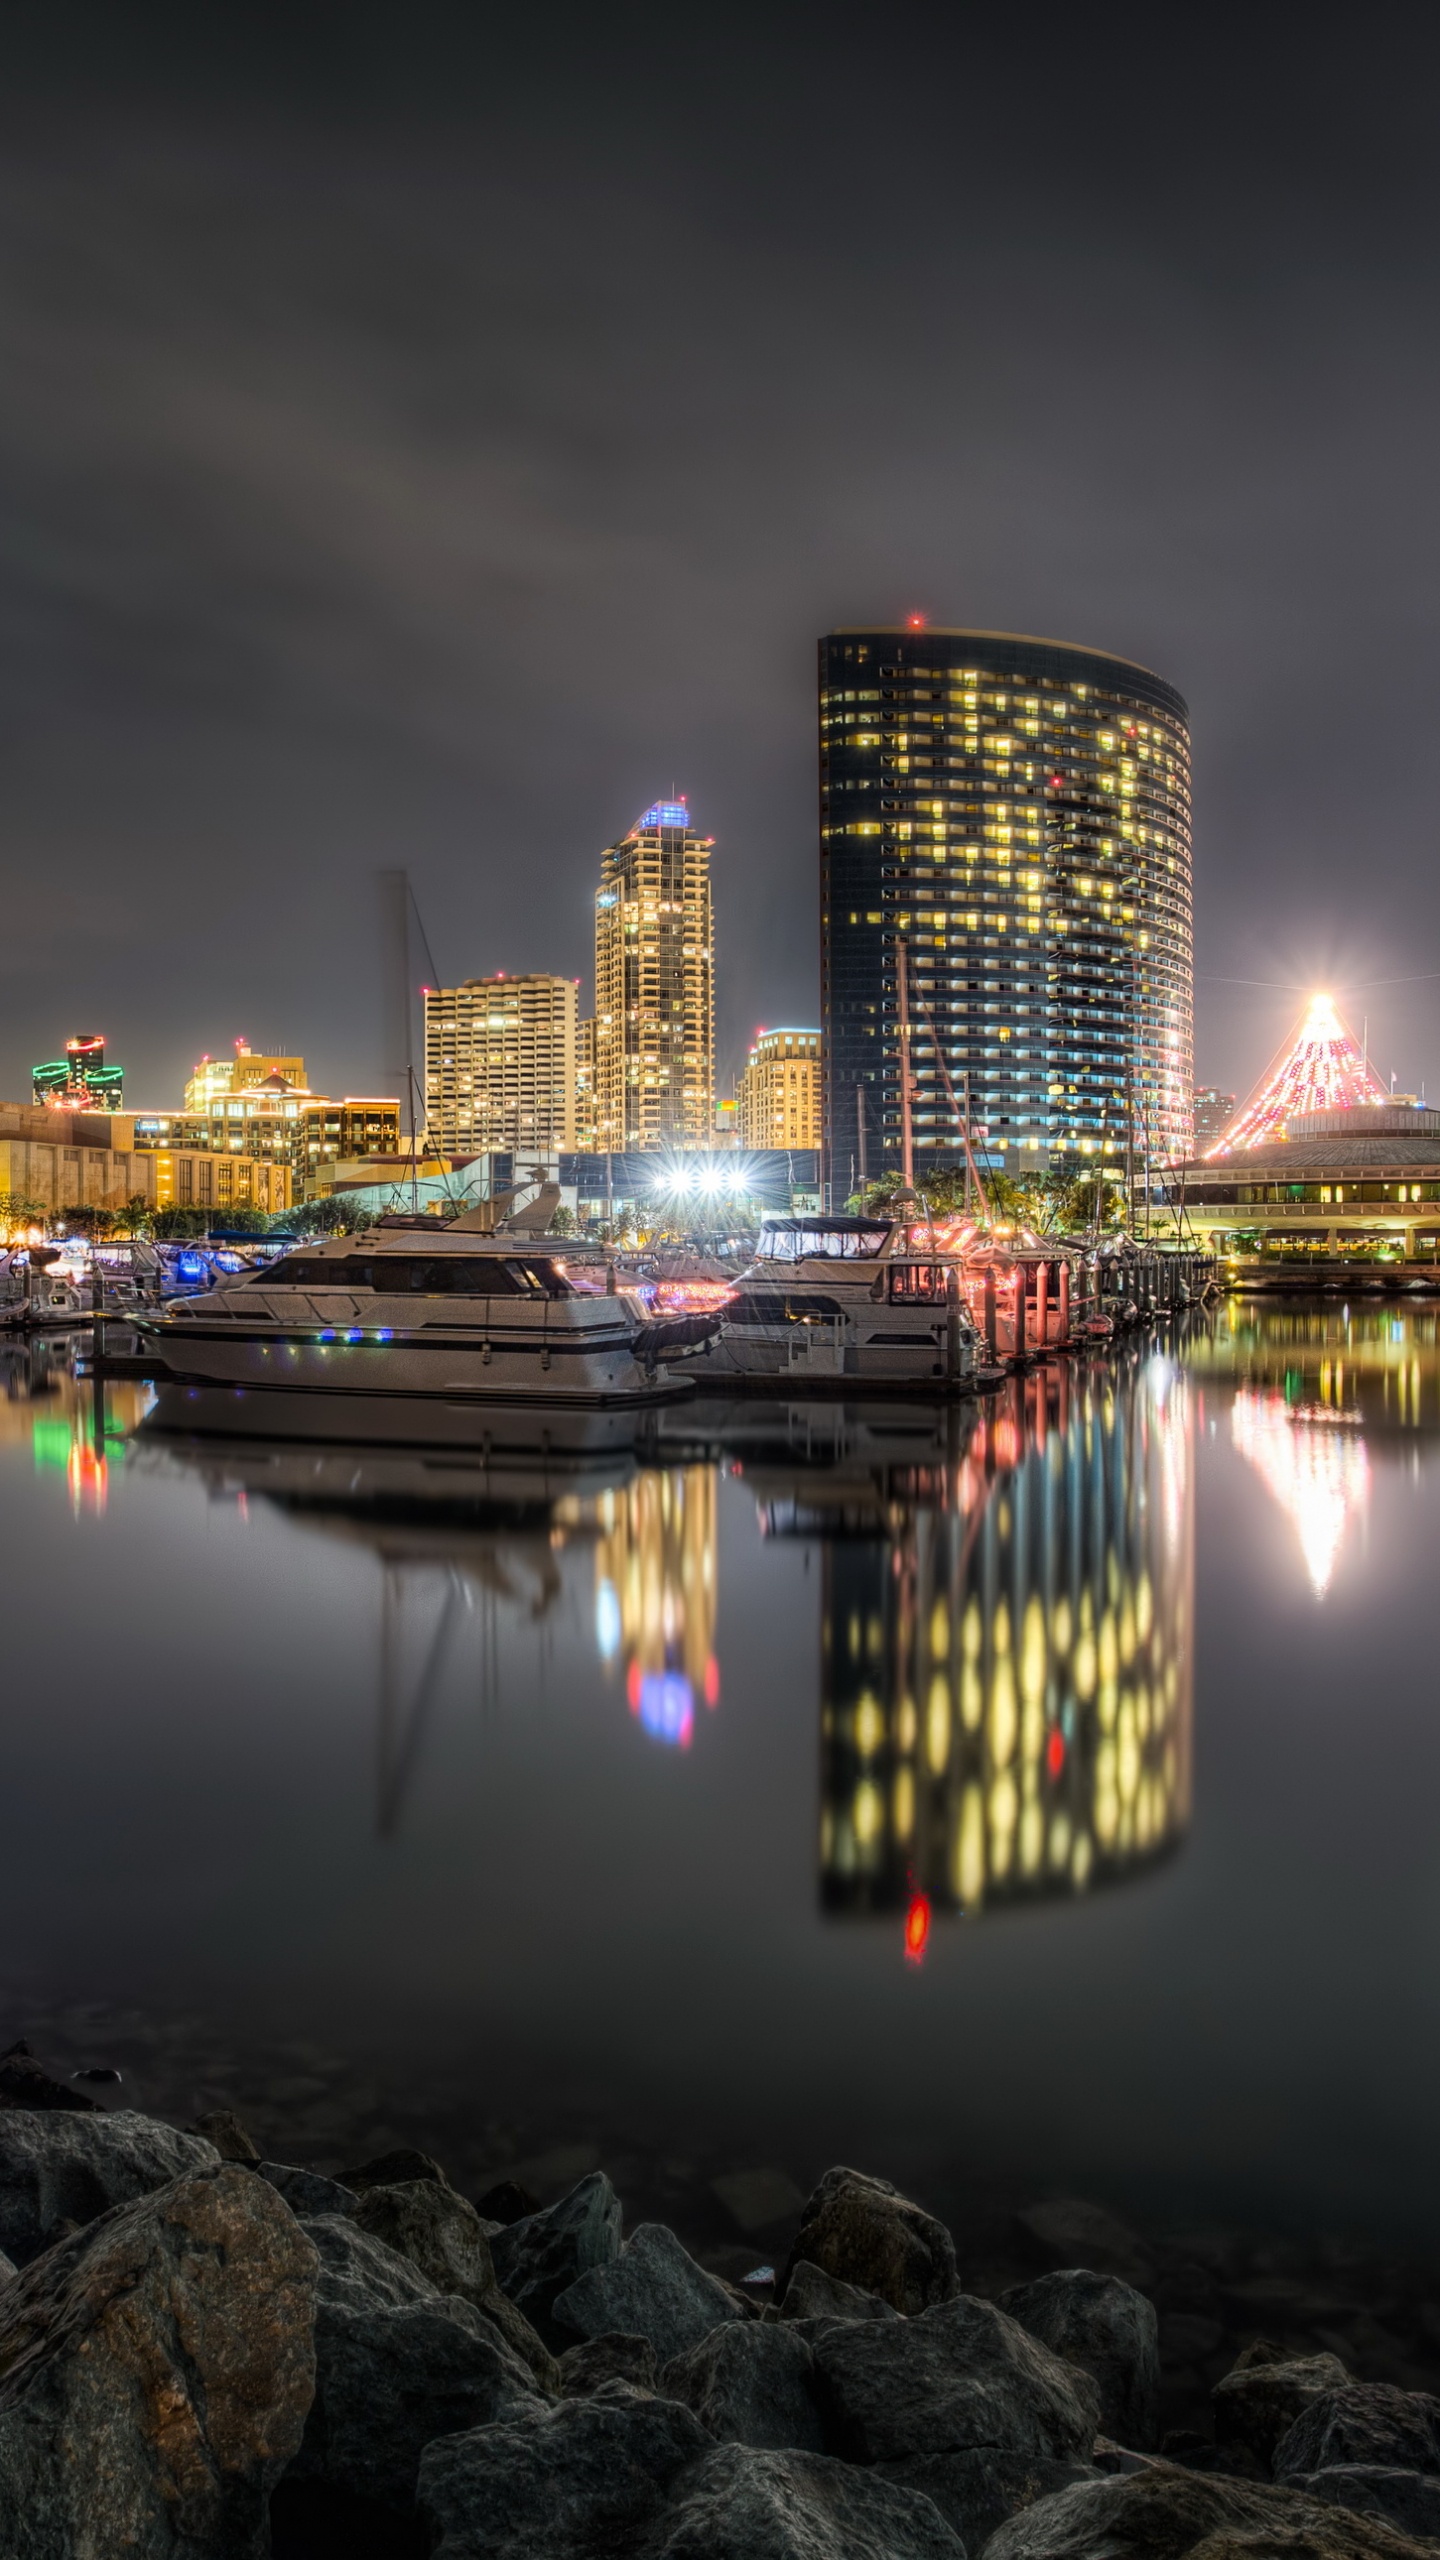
(1044, 1795)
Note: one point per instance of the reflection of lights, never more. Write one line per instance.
(917, 1928)
(607, 1621)
(1318, 1477)
(665, 1704)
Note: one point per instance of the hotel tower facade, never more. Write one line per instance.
(654, 1037)
(1009, 819)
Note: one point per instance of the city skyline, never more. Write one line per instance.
(357, 530)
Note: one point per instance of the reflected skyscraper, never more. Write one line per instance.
(655, 1595)
(1006, 1681)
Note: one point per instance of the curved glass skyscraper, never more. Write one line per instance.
(1012, 818)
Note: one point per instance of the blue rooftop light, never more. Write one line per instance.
(664, 813)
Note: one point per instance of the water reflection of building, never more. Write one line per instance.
(1006, 1678)
(1318, 1397)
(655, 1595)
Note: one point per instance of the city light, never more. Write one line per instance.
(702, 1178)
(1322, 1069)
(1319, 1474)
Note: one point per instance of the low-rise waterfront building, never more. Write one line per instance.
(104, 1160)
(1363, 1180)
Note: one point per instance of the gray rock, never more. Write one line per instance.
(1408, 2500)
(653, 2289)
(157, 2368)
(396, 2364)
(224, 2128)
(1162, 2513)
(812, 2295)
(441, 2233)
(392, 2169)
(562, 2482)
(8, 2268)
(751, 2382)
(1069, 2232)
(617, 2357)
(1105, 2326)
(26, 2083)
(740, 2504)
(1263, 2394)
(57, 2169)
(955, 2378)
(976, 2492)
(870, 2236)
(538, 2257)
(305, 2191)
(1365, 2422)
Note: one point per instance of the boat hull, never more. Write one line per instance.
(558, 1371)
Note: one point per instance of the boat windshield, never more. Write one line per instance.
(780, 1242)
(395, 1275)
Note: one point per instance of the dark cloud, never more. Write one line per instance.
(423, 441)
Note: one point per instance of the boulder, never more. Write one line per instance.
(305, 2191)
(538, 2257)
(955, 2378)
(653, 2289)
(8, 2268)
(26, 2083)
(507, 2203)
(751, 2382)
(58, 2169)
(1109, 2329)
(224, 2129)
(1069, 2232)
(1366, 2422)
(870, 2236)
(976, 2492)
(1408, 2500)
(617, 2357)
(812, 2295)
(557, 2482)
(441, 2233)
(396, 2364)
(155, 2374)
(1162, 2513)
(1263, 2394)
(392, 2169)
(740, 2504)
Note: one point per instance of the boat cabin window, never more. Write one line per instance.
(796, 1306)
(780, 1243)
(918, 1280)
(395, 1275)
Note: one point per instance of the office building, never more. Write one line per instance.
(1006, 821)
(780, 1091)
(654, 986)
(80, 1081)
(220, 1079)
(500, 1065)
(1214, 1112)
(272, 1122)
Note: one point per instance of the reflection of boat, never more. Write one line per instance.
(458, 1315)
(852, 1299)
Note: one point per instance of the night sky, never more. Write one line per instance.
(425, 440)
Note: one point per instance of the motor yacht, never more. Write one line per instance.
(852, 1299)
(411, 1309)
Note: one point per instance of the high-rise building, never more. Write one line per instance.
(216, 1079)
(80, 1081)
(654, 986)
(500, 1065)
(1214, 1112)
(780, 1091)
(585, 1085)
(1010, 820)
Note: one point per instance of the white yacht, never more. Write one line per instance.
(852, 1299)
(413, 1310)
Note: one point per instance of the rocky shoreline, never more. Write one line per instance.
(206, 2351)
